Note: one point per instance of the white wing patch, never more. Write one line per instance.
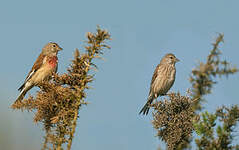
(30, 75)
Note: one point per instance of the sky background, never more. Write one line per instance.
(142, 32)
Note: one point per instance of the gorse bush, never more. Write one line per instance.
(173, 120)
(218, 137)
(203, 76)
(58, 102)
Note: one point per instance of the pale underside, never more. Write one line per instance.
(163, 81)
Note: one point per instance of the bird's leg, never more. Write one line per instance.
(156, 97)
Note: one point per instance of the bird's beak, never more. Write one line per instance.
(60, 49)
(177, 60)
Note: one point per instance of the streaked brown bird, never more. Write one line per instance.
(45, 65)
(162, 80)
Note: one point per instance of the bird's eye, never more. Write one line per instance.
(54, 45)
(171, 57)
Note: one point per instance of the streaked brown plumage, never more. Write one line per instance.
(42, 69)
(162, 80)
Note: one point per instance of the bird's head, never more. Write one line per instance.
(169, 59)
(51, 49)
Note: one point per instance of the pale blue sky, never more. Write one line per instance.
(142, 32)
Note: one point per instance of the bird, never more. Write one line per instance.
(162, 80)
(43, 68)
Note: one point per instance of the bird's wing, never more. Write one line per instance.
(39, 62)
(155, 74)
(154, 77)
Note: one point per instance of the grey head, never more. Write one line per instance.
(169, 59)
(51, 49)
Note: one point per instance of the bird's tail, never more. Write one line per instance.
(145, 109)
(24, 88)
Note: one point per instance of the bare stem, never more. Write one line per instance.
(73, 130)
